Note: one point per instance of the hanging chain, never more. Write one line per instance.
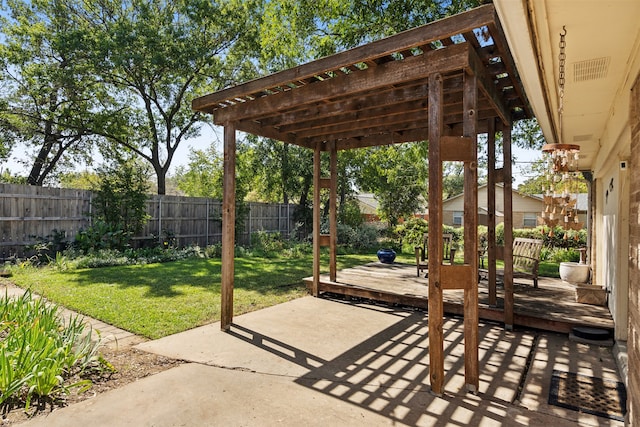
(561, 59)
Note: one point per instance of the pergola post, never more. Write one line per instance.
(316, 218)
(228, 226)
(508, 230)
(471, 313)
(491, 207)
(333, 211)
(435, 302)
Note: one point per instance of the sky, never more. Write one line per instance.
(209, 135)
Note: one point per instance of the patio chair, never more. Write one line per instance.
(422, 258)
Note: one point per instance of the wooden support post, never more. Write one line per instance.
(316, 218)
(333, 211)
(508, 230)
(228, 227)
(436, 308)
(491, 207)
(471, 313)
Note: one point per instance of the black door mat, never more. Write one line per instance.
(596, 396)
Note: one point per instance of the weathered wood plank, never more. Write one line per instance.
(508, 229)
(550, 307)
(458, 149)
(436, 310)
(470, 125)
(491, 207)
(333, 210)
(396, 72)
(316, 217)
(228, 227)
(417, 37)
(456, 277)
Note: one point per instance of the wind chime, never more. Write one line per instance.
(560, 204)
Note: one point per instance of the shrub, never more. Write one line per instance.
(121, 195)
(40, 352)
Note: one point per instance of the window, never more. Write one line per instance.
(457, 217)
(530, 219)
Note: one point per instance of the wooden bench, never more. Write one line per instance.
(526, 259)
(422, 259)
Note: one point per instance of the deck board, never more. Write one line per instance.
(551, 306)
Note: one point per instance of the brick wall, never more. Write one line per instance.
(634, 261)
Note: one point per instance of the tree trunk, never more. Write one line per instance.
(36, 170)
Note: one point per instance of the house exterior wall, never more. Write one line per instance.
(634, 259)
(521, 205)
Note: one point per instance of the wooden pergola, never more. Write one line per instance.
(444, 82)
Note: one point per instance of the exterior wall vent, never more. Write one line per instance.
(582, 138)
(591, 69)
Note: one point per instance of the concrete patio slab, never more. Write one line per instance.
(321, 362)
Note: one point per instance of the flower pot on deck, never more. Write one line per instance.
(574, 273)
(386, 256)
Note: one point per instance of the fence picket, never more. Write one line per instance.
(28, 213)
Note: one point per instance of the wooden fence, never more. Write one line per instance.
(29, 213)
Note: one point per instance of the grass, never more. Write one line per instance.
(156, 300)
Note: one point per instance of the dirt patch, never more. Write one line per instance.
(130, 365)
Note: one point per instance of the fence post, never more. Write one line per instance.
(159, 219)
(249, 228)
(206, 227)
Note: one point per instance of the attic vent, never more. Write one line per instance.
(582, 138)
(591, 69)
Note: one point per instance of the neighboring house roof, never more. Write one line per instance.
(369, 205)
(483, 186)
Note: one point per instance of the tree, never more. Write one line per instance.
(540, 180)
(155, 57)
(397, 175)
(121, 195)
(203, 176)
(50, 102)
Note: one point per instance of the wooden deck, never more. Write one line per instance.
(550, 307)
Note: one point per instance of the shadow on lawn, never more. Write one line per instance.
(265, 276)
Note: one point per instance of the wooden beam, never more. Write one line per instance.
(396, 72)
(487, 86)
(333, 211)
(458, 149)
(462, 23)
(436, 310)
(256, 128)
(471, 334)
(457, 277)
(316, 217)
(500, 41)
(508, 229)
(491, 207)
(228, 227)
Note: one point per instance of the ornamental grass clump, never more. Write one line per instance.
(40, 352)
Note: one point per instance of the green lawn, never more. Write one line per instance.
(156, 300)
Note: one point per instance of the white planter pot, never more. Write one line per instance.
(573, 272)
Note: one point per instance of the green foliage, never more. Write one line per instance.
(121, 196)
(39, 352)
(175, 296)
(411, 232)
(48, 246)
(397, 175)
(539, 182)
(203, 177)
(349, 214)
(8, 178)
(574, 240)
(51, 100)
